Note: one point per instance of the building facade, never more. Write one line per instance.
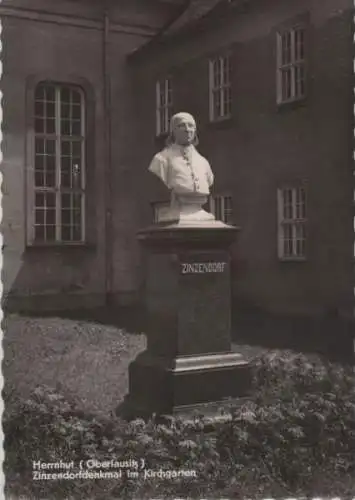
(69, 188)
(270, 84)
(88, 93)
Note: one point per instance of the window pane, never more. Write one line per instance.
(170, 96)
(45, 217)
(66, 200)
(77, 233)
(39, 233)
(49, 93)
(39, 126)
(50, 217)
(226, 99)
(76, 148)
(76, 127)
(65, 111)
(45, 163)
(39, 179)
(77, 217)
(300, 204)
(226, 72)
(71, 216)
(50, 109)
(50, 179)
(50, 199)
(77, 202)
(76, 97)
(50, 147)
(71, 164)
(164, 120)
(299, 44)
(76, 112)
(66, 233)
(39, 109)
(39, 145)
(299, 81)
(66, 217)
(39, 200)
(228, 210)
(286, 48)
(65, 127)
(40, 93)
(50, 233)
(39, 216)
(217, 103)
(65, 168)
(65, 95)
(39, 162)
(216, 73)
(50, 126)
(300, 230)
(286, 83)
(287, 240)
(66, 148)
(163, 109)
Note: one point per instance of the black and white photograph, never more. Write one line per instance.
(178, 249)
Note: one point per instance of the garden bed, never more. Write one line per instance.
(295, 437)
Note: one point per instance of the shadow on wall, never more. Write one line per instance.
(330, 335)
(129, 318)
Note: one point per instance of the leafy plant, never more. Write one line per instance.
(299, 426)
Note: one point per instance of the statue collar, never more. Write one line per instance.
(184, 149)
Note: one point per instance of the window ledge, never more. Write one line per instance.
(226, 122)
(285, 106)
(60, 246)
(292, 259)
(163, 135)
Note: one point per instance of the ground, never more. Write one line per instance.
(88, 360)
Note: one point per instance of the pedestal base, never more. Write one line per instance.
(164, 386)
(189, 361)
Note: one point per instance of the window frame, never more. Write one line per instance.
(227, 213)
(157, 206)
(166, 108)
(293, 222)
(294, 63)
(31, 188)
(221, 88)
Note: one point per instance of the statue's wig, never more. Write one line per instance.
(174, 121)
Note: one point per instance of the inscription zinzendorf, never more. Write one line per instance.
(203, 267)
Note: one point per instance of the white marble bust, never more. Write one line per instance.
(184, 171)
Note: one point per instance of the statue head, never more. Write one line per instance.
(182, 130)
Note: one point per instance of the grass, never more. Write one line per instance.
(86, 360)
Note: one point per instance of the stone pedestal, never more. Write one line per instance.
(188, 361)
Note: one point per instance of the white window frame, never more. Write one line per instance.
(293, 66)
(220, 87)
(159, 208)
(221, 206)
(57, 189)
(164, 105)
(292, 222)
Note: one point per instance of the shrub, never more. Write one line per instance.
(298, 427)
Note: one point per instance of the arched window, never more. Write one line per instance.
(59, 164)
